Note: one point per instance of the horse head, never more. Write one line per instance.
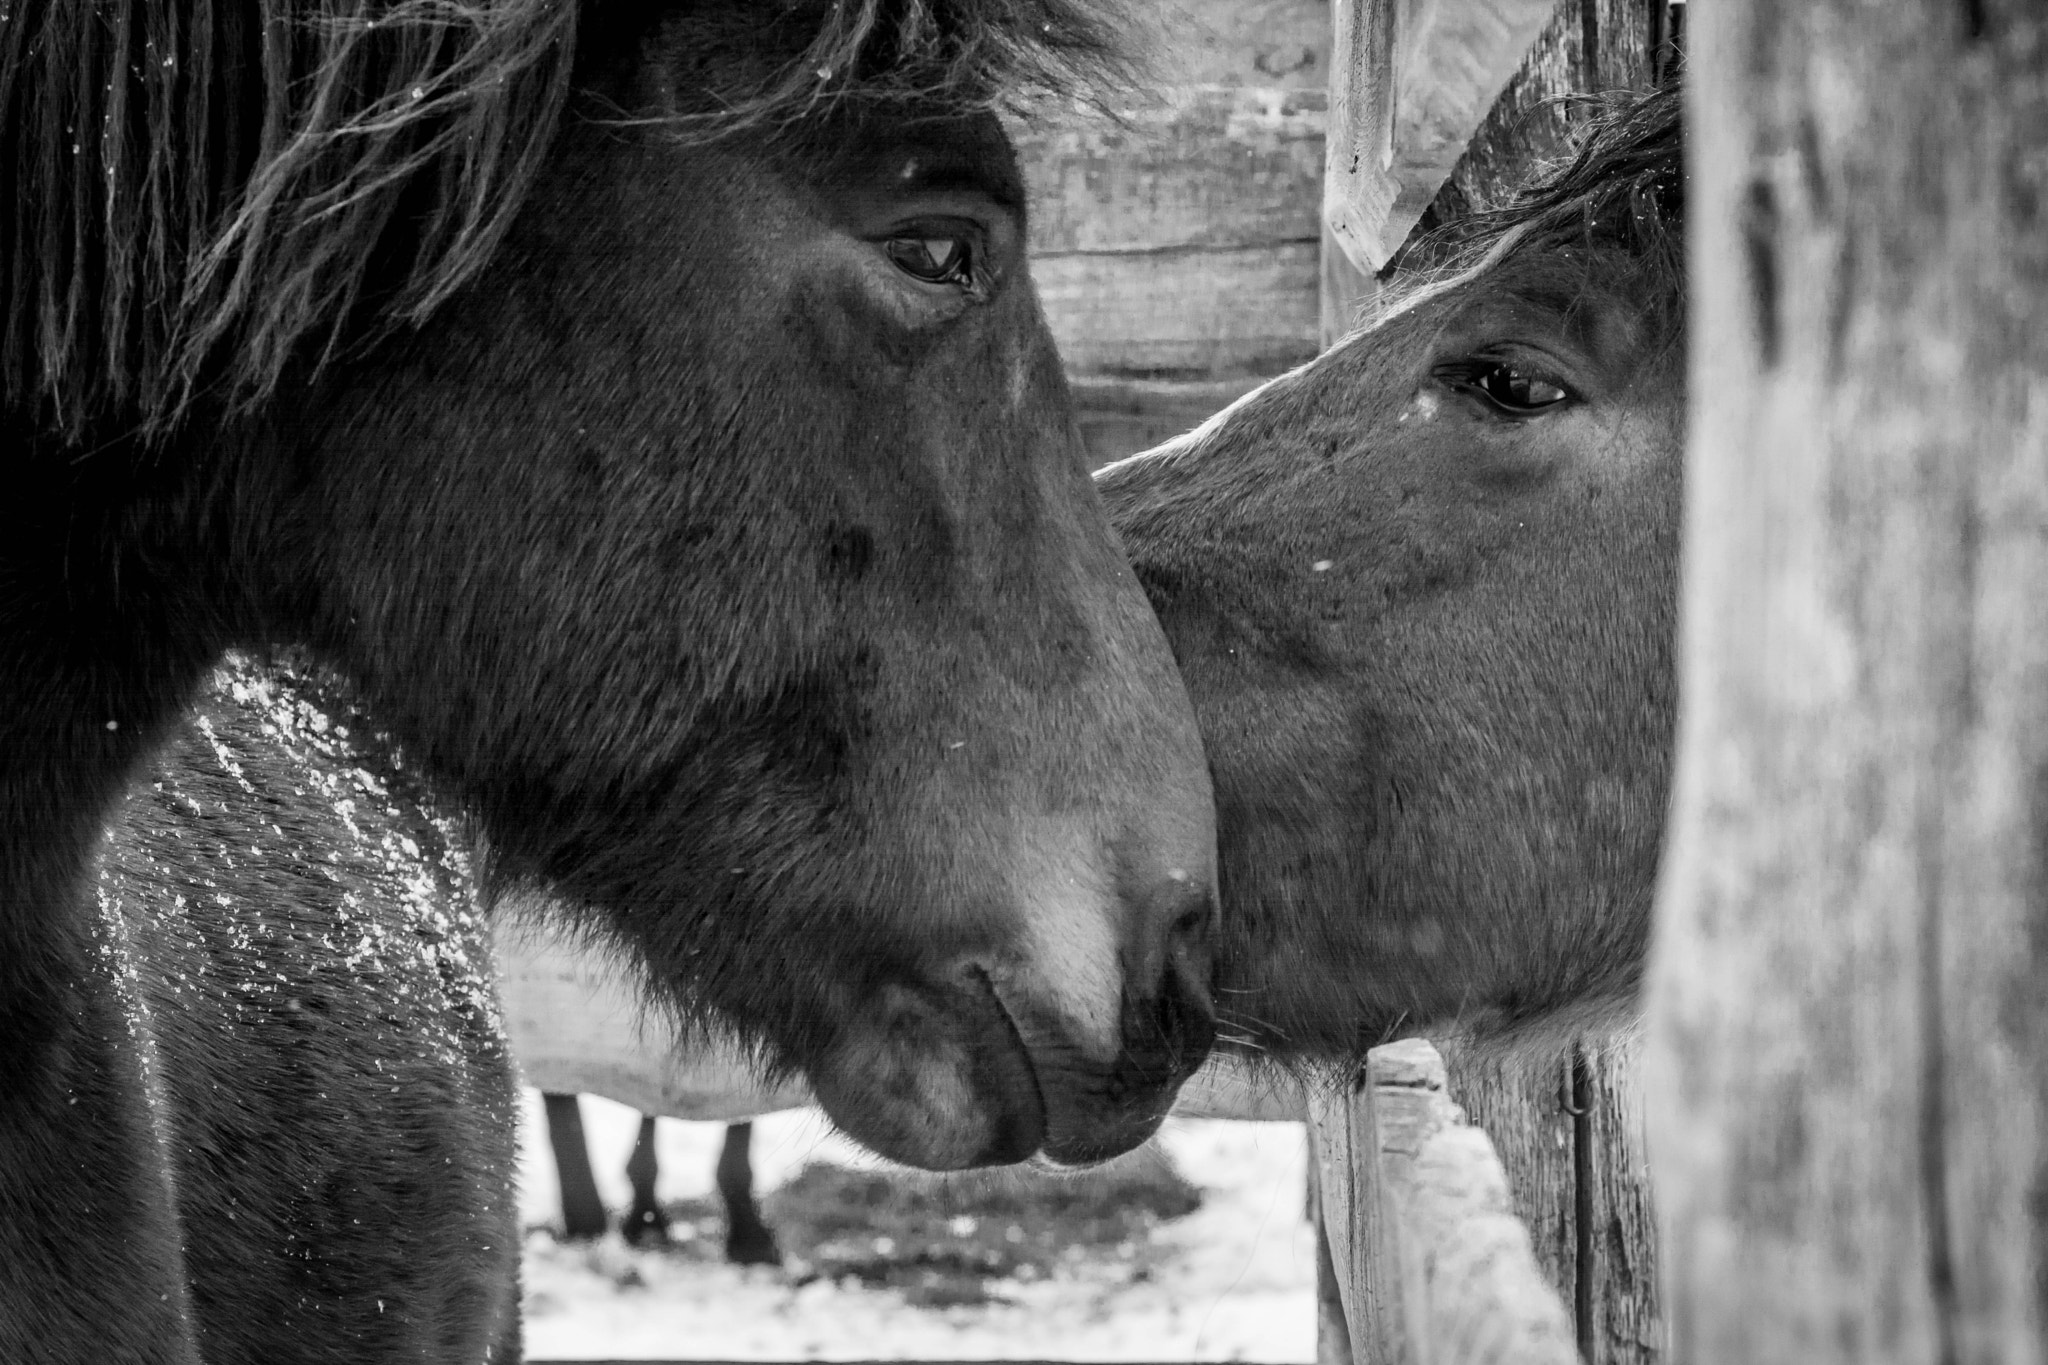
(713, 526)
(1422, 591)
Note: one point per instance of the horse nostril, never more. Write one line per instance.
(1170, 1019)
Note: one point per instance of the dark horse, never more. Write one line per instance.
(748, 1238)
(646, 408)
(1422, 592)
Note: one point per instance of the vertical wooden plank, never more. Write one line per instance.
(1569, 1135)
(1343, 1163)
(1484, 1300)
(1848, 1080)
(1520, 1102)
(1333, 1333)
(1401, 1107)
(1623, 1320)
(1347, 292)
(1358, 188)
(1409, 81)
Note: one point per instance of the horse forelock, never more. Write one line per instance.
(195, 194)
(196, 191)
(941, 56)
(1623, 188)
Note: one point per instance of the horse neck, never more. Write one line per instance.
(113, 602)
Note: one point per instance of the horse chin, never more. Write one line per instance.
(936, 1077)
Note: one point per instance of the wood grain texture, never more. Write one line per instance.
(1186, 313)
(1848, 1078)
(1522, 1106)
(1432, 1264)
(1177, 240)
(1207, 166)
(1120, 417)
(1419, 76)
(1622, 1319)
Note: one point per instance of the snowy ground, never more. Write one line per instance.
(1233, 1281)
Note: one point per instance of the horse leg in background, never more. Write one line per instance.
(644, 1222)
(583, 1216)
(748, 1240)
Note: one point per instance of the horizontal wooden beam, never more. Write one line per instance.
(1187, 311)
(1204, 167)
(1176, 240)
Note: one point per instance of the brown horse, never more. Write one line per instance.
(1422, 592)
(646, 407)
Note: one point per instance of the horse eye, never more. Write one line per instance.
(935, 260)
(1509, 389)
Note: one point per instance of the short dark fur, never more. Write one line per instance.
(304, 950)
(749, 593)
(1430, 642)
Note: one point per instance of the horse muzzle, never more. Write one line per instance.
(993, 1062)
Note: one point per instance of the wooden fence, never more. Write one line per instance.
(1474, 1209)
(1431, 1264)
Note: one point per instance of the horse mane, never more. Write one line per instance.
(196, 193)
(941, 56)
(1622, 188)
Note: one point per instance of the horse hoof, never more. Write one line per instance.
(752, 1247)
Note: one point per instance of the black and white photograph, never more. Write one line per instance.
(1076, 682)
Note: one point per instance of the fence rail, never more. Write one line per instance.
(1432, 1265)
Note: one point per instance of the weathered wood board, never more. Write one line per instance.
(1120, 417)
(1569, 1132)
(1848, 1067)
(1174, 246)
(1193, 313)
(1411, 81)
(1432, 1265)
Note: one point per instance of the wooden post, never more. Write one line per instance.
(1569, 1135)
(1848, 1080)
(1409, 81)
(1431, 1263)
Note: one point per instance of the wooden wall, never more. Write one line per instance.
(1176, 249)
